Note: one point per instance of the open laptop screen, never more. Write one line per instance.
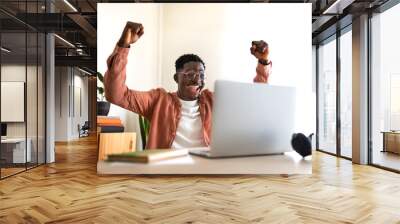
(3, 129)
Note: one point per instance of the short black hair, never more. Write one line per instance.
(182, 60)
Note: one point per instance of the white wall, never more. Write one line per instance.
(68, 82)
(81, 108)
(221, 35)
(61, 103)
(144, 65)
(222, 39)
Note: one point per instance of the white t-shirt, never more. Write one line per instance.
(189, 133)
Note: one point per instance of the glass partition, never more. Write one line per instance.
(22, 88)
(327, 96)
(346, 94)
(41, 96)
(14, 153)
(385, 89)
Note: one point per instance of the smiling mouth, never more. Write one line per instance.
(193, 85)
(194, 88)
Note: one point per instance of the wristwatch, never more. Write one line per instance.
(264, 62)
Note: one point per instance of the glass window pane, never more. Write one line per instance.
(23, 87)
(14, 153)
(386, 89)
(41, 98)
(327, 96)
(346, 94)
(31, 97)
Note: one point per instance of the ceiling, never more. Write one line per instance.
(76, 22)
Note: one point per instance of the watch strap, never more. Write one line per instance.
(264, 62)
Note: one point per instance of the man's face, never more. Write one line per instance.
(190, 80)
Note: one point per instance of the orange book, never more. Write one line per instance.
(111, 121)
(116, 125)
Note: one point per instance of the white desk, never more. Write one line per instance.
(18, 153)
(290, 163)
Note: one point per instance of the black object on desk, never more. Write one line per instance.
(3, 129)
(112, 129)
(302, 144)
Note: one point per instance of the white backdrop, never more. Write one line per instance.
(221, 35)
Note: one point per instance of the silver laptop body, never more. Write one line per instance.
(251, 119)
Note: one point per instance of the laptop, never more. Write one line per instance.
(250, 119)
(3, 131)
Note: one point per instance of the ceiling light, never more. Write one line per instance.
(79, 51)
(65, 41)
(84, 71)
(338, 6)
(5, 50)
(70, 5)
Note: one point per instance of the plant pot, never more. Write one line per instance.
(103, 107)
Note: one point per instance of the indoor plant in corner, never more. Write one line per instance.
(103, 107)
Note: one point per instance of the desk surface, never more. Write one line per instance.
(289, 163)
(13, 140)
(390, 132)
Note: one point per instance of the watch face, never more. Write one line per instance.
(263, 62)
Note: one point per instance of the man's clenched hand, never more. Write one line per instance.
(260, 50)
(132, 32)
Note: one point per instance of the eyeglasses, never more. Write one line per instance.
(192, 75)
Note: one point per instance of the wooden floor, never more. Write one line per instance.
(69, 191)
(387, 159)
(10, 171)
(5, 172)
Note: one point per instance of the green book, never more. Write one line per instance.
(147, 156)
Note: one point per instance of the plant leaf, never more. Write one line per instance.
(101, 90)
(142, 131)
(100, 77)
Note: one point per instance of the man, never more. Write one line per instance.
(179, 119)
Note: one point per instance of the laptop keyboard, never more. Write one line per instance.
(200, 152)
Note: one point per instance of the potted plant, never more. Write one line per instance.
(144, 125)
(103, 107)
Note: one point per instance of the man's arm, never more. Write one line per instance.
(116, 91)
(262, 73)
(260, 50)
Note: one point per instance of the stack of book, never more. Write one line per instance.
(147, 156)
(108, 124)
